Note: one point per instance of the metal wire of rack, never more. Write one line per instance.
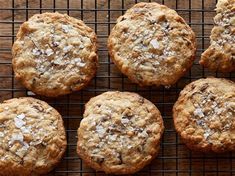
(174, 157)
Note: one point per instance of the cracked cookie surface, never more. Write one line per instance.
(220, 56)
(120, 132)
(54, 54)
(32, 137)
(204, 115)
(152, 45)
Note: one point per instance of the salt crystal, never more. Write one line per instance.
(21, 116)
(100, 130)
(6, 108)
(67, 48)
(22, 151)
(77, 59)
(33, 143)
(65, 28)
(198, 112)
(78, 62)
(206, 135)
(143, 134)
(218, 110)
(1, 134)
(49, 52)
(49, 109)
(57, 62)
(93, 124)
(26, 145)
(36, 52)
(17, 137)
(129, 146)
(25, 129)
(154, 43)
(157, 63)
(19, 122)
(113, 137)
(124, 120)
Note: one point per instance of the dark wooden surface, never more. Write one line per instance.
(174, 158)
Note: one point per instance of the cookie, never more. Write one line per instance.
(54, 54)
(152, 45)
(220, 56)
(32, 137)
(204, 115)
(120, 132)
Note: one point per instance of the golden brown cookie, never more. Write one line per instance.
(32, 137)
(152, 45)
(204, 115)
(54, 54)
(120, 132)
(220, 56)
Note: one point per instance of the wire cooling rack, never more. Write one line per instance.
(174, 158)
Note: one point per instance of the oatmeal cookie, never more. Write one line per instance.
(220, 56)
(204, 115)
(120, 132)
(152, 45)
(32, 137)
(54, 54)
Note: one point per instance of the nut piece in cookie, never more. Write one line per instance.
(32, 137)
(152, 45)
(54, 54)
(120, 132)
(220, 56)
(204, 115)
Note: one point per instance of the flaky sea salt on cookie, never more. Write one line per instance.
(204, 115)
(54, 54)
(120, 132)
(220, 56)
(152, 45)
(32, 137)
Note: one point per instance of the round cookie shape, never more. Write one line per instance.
(152, 45)
(32, 137)
(204, 115)
(120, 132)
(54, 54)
(220, 55)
